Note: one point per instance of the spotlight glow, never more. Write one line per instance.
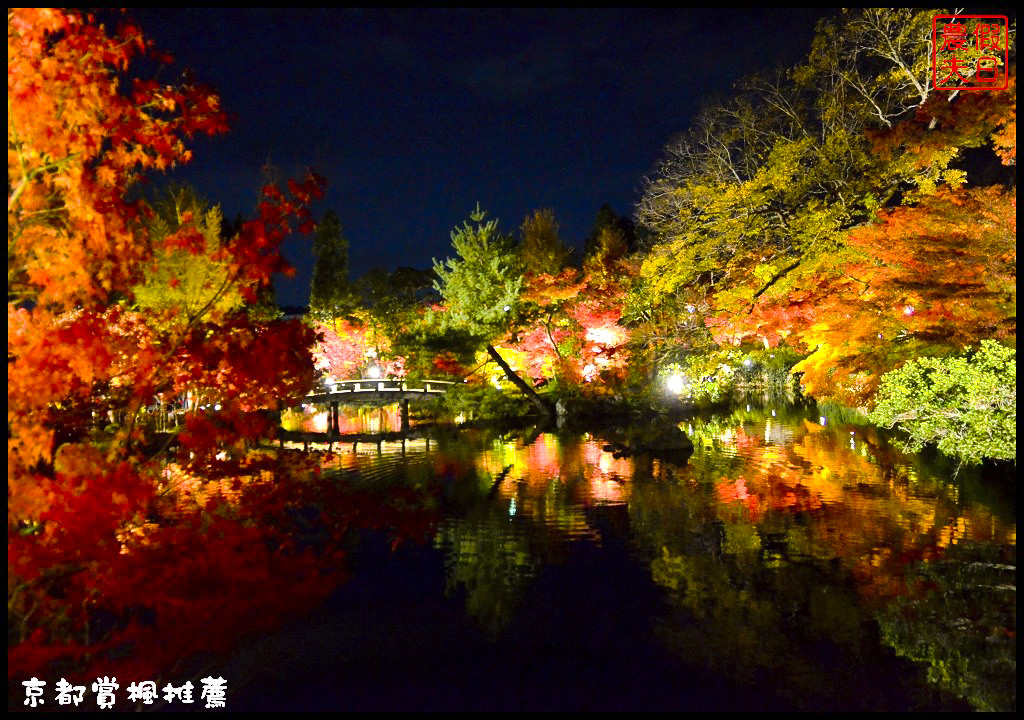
(674, 383)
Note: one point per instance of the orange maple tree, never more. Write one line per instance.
(573, 332)
(933, 276)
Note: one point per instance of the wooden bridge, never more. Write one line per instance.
(374, 392)
(377, 391)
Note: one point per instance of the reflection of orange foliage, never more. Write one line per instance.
(742, 440)
(605, 466)
(875, 523)
(549, 463)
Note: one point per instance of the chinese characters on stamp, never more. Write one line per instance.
(970, 52)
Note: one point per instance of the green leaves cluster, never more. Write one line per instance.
(966, 405)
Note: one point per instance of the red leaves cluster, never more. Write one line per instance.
(575, 332)
(344, 350)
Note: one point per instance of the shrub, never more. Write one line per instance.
(966, 405)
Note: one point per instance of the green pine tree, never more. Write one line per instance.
(481, 289)
(330, 294)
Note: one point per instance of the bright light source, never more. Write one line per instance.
(373, 371)
(821, 420)
(674, 383)
(748, 362)
(908, 310)
(217, 406)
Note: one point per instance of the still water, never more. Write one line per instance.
(796, 561)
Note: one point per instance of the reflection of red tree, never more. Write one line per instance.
(365, 420)
(595, 477)
(736, 492)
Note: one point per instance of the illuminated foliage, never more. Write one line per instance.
(572, 330)
(832, 210)
(188, 278)
(481, 286)
(542, 251)
(77, 140)
(925, 279)
(967, 406)
(115, 305)
(481, 291)
(347, 350)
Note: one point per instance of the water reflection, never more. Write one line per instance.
(794, 550)
(356, 420)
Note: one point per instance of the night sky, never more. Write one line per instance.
(415, 115)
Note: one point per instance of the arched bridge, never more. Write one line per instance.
(374, 392)
(377, 391)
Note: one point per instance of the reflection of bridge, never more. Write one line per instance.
(389, 442)
(374, 392)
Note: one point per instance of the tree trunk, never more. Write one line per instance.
(519, 383)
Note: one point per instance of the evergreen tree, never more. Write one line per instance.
(330, 295)
(608, 224)
(481, 289)
(542, 250)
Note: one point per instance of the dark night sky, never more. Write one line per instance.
(415, 115)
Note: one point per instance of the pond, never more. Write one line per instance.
(797, 561)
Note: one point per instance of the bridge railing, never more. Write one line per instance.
(367, 385)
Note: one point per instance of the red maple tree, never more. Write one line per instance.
(120, 555)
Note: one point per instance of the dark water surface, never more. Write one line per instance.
(797, 561)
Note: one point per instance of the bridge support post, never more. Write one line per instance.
(332, 418)
(404, 406)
